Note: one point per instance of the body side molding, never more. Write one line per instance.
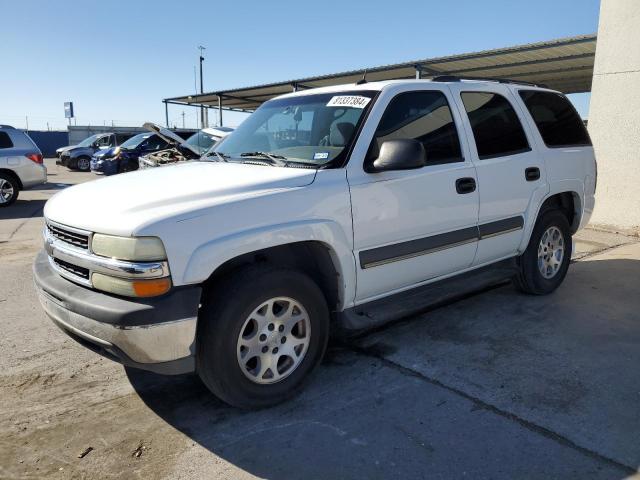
(422, 246)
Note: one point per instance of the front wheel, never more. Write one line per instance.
(544, 264)
(83, 164)
(260, 336)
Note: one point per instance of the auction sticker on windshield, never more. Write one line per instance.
(355, 101)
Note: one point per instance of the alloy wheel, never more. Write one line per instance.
(84, 164)
(274, 340)
(550, 252)
(6, 191)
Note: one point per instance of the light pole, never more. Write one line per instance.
(203, 122)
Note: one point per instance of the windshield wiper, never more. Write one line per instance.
(221, 156)
(275, 159)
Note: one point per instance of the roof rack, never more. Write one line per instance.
(7, 126)
(455, 78)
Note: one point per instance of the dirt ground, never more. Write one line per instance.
(499, 385)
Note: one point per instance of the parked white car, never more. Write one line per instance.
(181, 150)
(320, 209)
(21, 164)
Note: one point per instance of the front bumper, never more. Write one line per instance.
(107, 167)
(156, 334)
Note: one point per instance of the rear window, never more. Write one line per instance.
(495, 125)
(558, 122)
(5, 140)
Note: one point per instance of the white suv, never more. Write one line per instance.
(320, 210)
(21, 164)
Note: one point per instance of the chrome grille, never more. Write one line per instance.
(71, 268)
(67, 236)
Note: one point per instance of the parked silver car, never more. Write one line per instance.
(21, 164)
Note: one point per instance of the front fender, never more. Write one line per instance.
(211, 255)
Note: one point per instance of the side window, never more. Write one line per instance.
(558, 122)
(104, 141)
(495, 125)
(5, 140)
(424, 116)
(154, 143)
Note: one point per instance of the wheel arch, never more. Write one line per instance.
(319, 248)
(569, 203)
(315, 259)
(13, 174)
(568, 200)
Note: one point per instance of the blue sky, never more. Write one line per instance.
(118, 59)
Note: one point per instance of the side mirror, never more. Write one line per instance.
(401, 154)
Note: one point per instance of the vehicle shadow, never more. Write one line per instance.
(28, 208)
(362, 417)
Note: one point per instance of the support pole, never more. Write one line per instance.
(219, 110)
(418, 72)
(166, 114)
(203, 120)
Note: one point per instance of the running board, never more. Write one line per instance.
(399, 306)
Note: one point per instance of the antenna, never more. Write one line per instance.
(363, 79)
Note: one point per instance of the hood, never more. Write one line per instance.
(125, 204)
(64, 149)
(169, 136)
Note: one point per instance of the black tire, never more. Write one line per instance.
(223, 315)
(13, 184)
(530, 278)
(83, 164)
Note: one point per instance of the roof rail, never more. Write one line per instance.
(7, 126)
(455, 78)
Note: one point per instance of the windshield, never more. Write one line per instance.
(133, 142)
(201, 141)
(311, 129)
(87, 142)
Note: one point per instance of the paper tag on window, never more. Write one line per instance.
(321, 155)
(353, 101)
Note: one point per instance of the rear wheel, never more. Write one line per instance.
(9, 189)
(260, 336)
(545, 262)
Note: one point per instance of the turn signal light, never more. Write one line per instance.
(151, 288)
(131, 288)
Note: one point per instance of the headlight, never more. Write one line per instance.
(131, 288)
(138, 249)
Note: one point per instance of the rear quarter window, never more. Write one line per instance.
(5, 140)
(558, 122)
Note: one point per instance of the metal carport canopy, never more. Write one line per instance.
(564, 64)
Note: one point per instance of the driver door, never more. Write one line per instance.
(411, 226)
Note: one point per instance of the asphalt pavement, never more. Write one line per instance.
(500, 385)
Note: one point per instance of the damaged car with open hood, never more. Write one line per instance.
(181, 150)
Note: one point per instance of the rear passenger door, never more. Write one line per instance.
(510, 171)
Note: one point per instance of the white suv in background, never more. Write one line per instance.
(21, 164)
(333, 208)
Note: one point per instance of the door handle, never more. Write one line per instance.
(465, 185)
(532, 174)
